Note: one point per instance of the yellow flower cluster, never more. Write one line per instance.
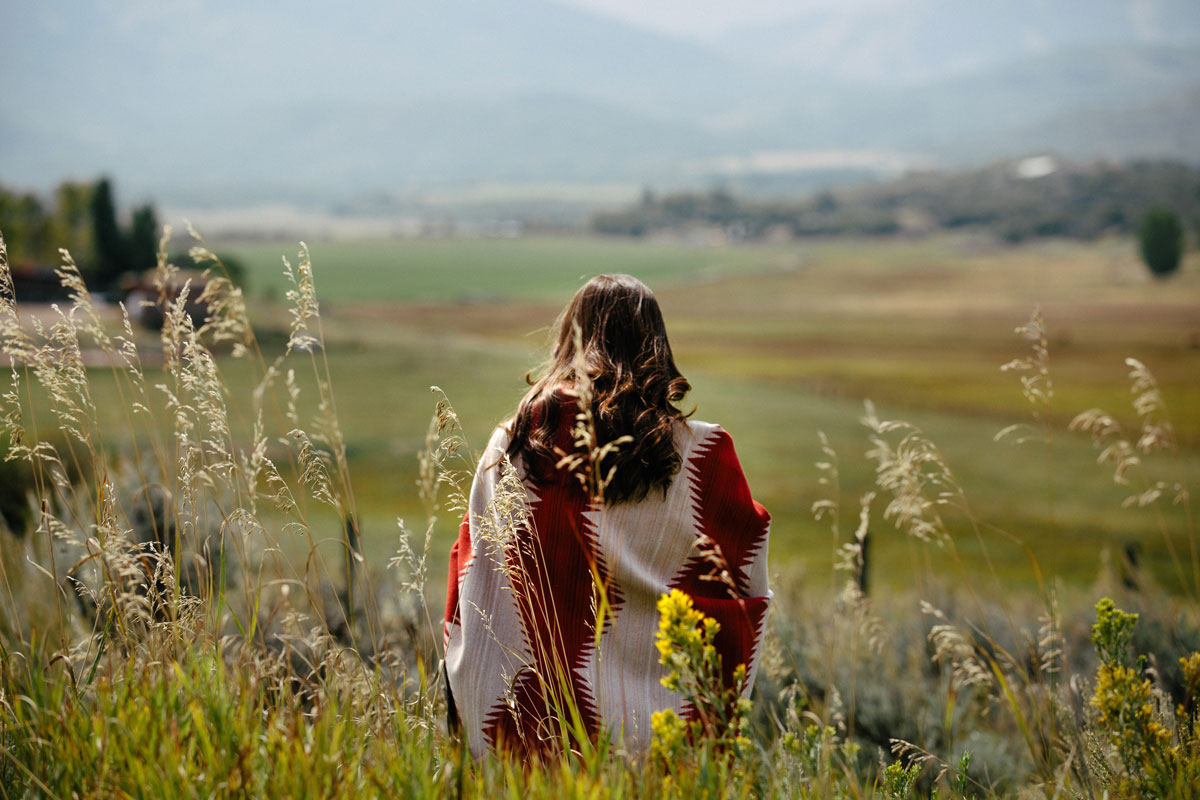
(1190, 666)
(670, 733)
(1125, 703)
(686, 647)
(1140, 733)
(685, 640)
(1185, 712)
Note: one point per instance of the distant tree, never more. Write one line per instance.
(111, 247)
(26, 229)
(1160, 237)
(143, 239)
(72, 223)
(38, 222)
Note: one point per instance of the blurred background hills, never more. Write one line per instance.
(377, 105)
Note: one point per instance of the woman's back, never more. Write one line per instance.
(555, 605)
(598, 497)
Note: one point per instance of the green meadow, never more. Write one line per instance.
(541, 269)
(299, 669)
(781, 342)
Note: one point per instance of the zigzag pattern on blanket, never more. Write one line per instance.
(522, 616)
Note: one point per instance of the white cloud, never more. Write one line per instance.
(1144, 16)
(705, 19)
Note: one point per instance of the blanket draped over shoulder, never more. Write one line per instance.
(553, 597)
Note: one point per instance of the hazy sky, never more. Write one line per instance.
(710, 18)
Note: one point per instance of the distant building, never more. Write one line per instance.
(146, 307)
(34, 284)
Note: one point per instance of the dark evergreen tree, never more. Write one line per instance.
(112, 256)
(143, 239)
(1160, 237)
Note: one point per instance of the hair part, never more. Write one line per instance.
(623, 346)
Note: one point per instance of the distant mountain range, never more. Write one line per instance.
(220, 102)
(919, 41)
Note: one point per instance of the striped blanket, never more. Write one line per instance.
(531, 582)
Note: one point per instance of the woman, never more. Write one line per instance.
(595, 499)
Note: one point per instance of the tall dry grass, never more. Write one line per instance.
(172, 622)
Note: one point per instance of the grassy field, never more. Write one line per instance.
(781, 342)
(490, 270)
(295, 672)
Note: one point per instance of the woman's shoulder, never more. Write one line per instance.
(697, 435)
(700, 428)
(695, 429)
(501, 437)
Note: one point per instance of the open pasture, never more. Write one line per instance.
(781, 343)
(490, 270)
(787, 343)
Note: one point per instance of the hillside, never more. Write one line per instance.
(1013, 200)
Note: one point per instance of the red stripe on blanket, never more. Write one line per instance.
(550, 571)
(733, 527)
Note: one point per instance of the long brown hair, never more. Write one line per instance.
(634, 384)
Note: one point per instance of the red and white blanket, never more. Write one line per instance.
(524, 597)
